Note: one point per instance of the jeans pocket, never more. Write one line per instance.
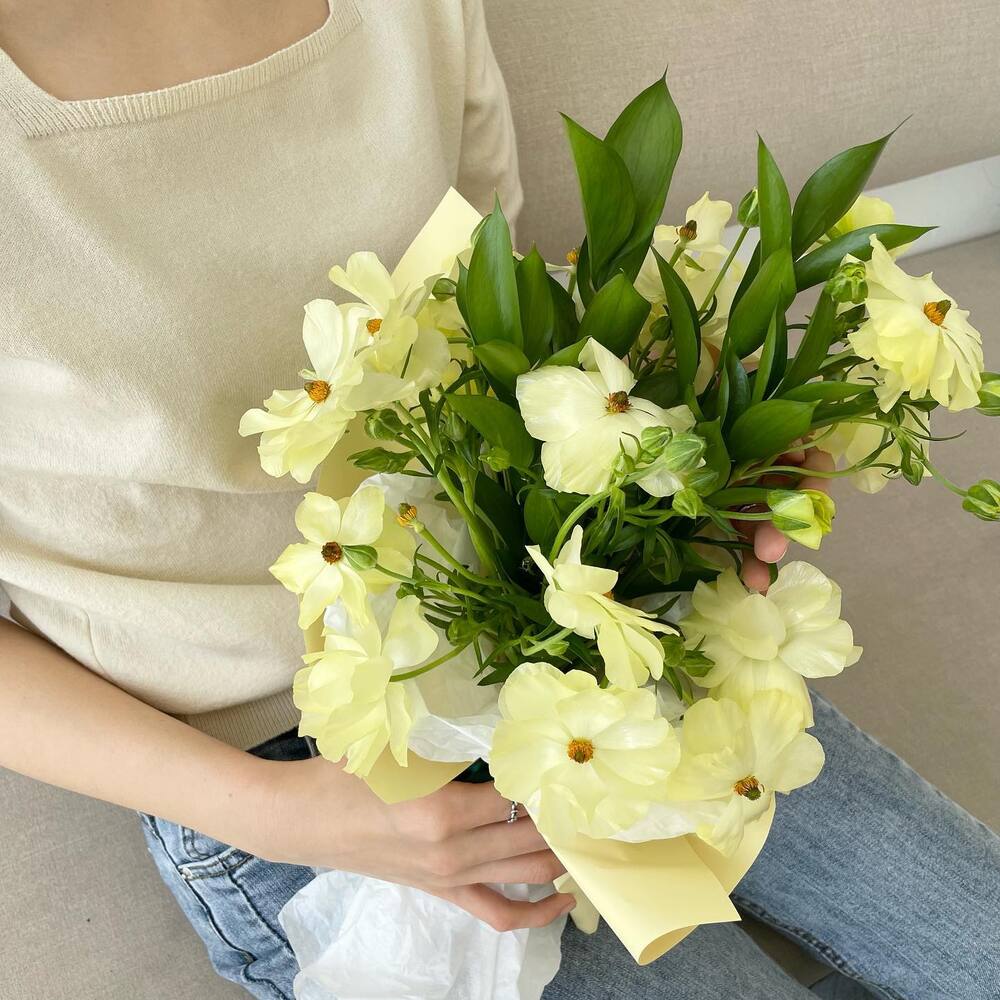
(206, 857)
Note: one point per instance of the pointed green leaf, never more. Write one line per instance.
(831, 191)
(768, 428)
(772, 289)
(502, 361)
(498, 423)
(647, 135)
(763, 372)
(489, 298)
(537, 309)
(825, 392)
(815, 344)
(775, 207)
(607, 195)
(818, 265)
(683, 321)
(565, 322)
(615, 316)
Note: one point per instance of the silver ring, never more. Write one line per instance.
(512, 816)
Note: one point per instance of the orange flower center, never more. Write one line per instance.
(373, 326)
(749, 787)
(580, 750)
(317, 391)
(573, 257)
(689, 230)
(332, 552)
(407, 514)
(936, 311)
(618, 402)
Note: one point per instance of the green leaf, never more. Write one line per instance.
(489, 298)
(607, 195)
(815, 344)
(771, 290)
(647, 135)
(504, 518)
(499, 424)
(615, 316)
(763, 373)
(568, 356)
(683, 321)
(775, 207)
(565, 322)
(818, 265)
(662, 388)
(739, 389)
(716, 454)
(825, 392)
(542, 516)
(831, 191)
(503, 361)
(768, 428)
(537, 309)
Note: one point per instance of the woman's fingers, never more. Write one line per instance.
(478, 804)
(499, 840)
(755, 574)
(537, 868)
(504, 914)
(769, 544)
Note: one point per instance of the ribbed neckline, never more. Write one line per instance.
(38, 113)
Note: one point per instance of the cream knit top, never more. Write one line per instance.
(157, 251)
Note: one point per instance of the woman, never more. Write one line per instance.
(159, 246)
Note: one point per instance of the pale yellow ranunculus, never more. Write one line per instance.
(329, 565)
(733, 760)
(581, 758)
(578, 597)
(349, 703)
(919, 338)
(585, 418)
(773, 640)
(299, 427)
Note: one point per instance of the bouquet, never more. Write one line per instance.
(543, 569)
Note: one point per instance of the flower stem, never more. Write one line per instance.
(725, 267)
(430, 666)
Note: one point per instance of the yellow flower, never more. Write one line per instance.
(581, 758)
(919, 338)
(734, 760)
(299, 427)
(804, 516)
(586, 417)
(348, 701)
(773, 640)
(578, 598)
(343, 541)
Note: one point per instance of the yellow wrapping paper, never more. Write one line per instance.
(652, 895)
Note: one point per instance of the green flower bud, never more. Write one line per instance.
(461, 631)
(989, 395)
(684, 453)
(688, 503)
(497, 458)
(383, 425)
(848, 283)
(659, 329)
(444, 288)
(804, 516)
(361, 556)
(652, 442)
(748, 213)
(983, 500)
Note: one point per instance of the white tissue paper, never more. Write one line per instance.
(359, 938)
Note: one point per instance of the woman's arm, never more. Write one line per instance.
(62, 724)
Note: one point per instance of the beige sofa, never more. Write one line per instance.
(83, 915)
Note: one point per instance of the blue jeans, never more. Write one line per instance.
(870, 869)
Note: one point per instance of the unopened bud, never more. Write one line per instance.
(748, 213)
(444, 288)
(983, 500)
(361, 556)
(652, 441)
(804, 516)
(688, 503)
(383, 425)
(659, 329)
(989, 395)
(684, 453)
(461, 631)
(848, 283)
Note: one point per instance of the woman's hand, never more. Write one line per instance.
(452, 843)
(769, 544)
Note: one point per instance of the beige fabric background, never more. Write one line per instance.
(82, 913)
